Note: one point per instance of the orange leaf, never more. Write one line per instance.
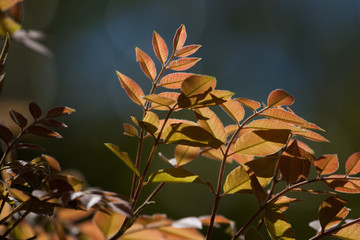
(146, 64)
(160, 48)
(311, 136)
(169, 96)
(248, 103)
(6, 4)
(279, 97)
(130, 130)
(282, 115)
(179, 38)
(344, 185)
(353, 164)
(187, 50)
(327, 164)
(291, 168)
(329, 208)
(59, 111)
(174, 80)
(42, 131)
(183, 63)
(108, 223)
(265, 124)
(338, 218)
(234, 109)
(350, 232)
(208, 120)
(160, 100)
(132, 89)
(197, 84)
(185, 154)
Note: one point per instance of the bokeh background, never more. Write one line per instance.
(309, 48)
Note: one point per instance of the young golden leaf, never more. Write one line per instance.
(108, 223)
(190, 135)
(353, 164)
(146, 64)
(211, 98)
(248, 103)
(266, 124)
(183, 64)
(282, 115)
(208, 120)
(187, 50)
(234, 109)
(169, 96)
(253, 234)
(277, 225)
(130, 130)
(261, 143)
(197, 84)
(150, 122)
(291, 168)
(237, 180)
(185, 154)
(329, 209)
(283, 203)
(132, 89)
(124, 156)
(174, 175)
(327, 164)
(311, 136)
(216, 154)
(160, 100)
(174, 80)
(352, 232)
(279, 97)
(179, 38)
(160, 48)
(264, 168)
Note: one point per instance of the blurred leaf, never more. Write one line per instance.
(282, 115)
(187, 50)
(108, 223)
(146, 64)
(209, 121)
(183, 64)
(132, 89)
(327, 164)
(174, 80)
(2, 77)
(329, 208)
(3, 57)
(197, 84)
(124, 156)
(353, 164)
(238, 179)
(52, 123)
(216, 154)
(6, 4)
(291, 168)
(179, 38)
(344, 185)
(8, 25)
(188, 222)
(130, 130)
(59, 111)
(185, 154)
(351, 232)
(248, 103)
(6, 134)
(174, 175)
(279, 97)
(160, 48)
(65, 183)
(29, 146)
(234, 109)
(43, 132)
(261, 143)
(52, 162)
(35, 110)
(253, 234)
(277, 225)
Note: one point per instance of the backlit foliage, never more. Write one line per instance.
(264, 141)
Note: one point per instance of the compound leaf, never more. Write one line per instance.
(160, 100)
(146, 64)
(132, 89)
(282, 115)
(183, 64)
(197, 85)
(248, 103)
(174, 80)
(179, 38)
(208, 120)
(187, 50)
(124, 156)
(238, 179)
(160, 48)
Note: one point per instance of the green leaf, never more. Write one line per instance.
(197, 85)
(262, 143)
(279, 97)
(208, 120)
(124, 156)
(353, 164)
(329, 208)
(253, 234)
(238, 179)
(277, 225)
(174, 175)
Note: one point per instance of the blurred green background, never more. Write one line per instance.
(309, 48)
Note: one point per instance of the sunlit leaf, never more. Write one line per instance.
(146, 64)
(174, 175)
(261, 143)
(311, 136)
(353, 164)
(211, 98)
(230, 129)
(216, 154)
(338, 218)
(253, 234)
(277, 225)
(185, 154)
(132, 89)
(327, 164)
(344, 185)
(124, 156)
(310, 125)
(352, 232)
(282, 115)
(174, 80)
(283, 203)
(329, 208)
(160, 48)
(241, 159)
(167, 97)
(248, 103)
(150, 122)
(108, 223)
(186, 134)
(238, 179)
(35, 110)
(42, 131)
(18, 118)
(6, 134)
(52, 162)
(291, 168)
(234, 109)
(188, 222)
(179, 38)
(160, 100)
(197, 84)
(52, 122)
(59, 111)
(183, 64)
(187, 50)
(279, 97)
(6, 4)
(266, 124)
(130, 130)
(208, 120)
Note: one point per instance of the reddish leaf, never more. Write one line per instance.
(52, 162)
(327, 164)
(160, 48)
(329, 208)
(183, 64)
(169, 97)
(353, 164)
(311, 136)
(338, 218)
(6, 134)
(18, 118)
(279, 97)
(179, 38)
(29, 146)
(59, 111)
(146, 64)
(248, 103)
(234, 109)
(35, 110)
(52, 123)
(150, 122)
(174, 80)
(42, 131)
(187, 50)
(291, 168)
(344, 185)
(282, 115)
(264, 167)
(132, 89)
(208, 120)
